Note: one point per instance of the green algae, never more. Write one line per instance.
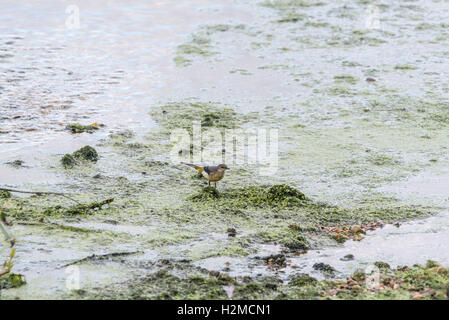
(243, 72)
(81, 209)
(190, 49)
(200, 284)
(290, 239)
(277, 195)
(79, 128)
(324, 268)
(11, 280)
(280, 193)
(302, 280)
(197, 47)
(183, 115)
(316, 24)
(289, 4)
(283, 215)
(32, 208)
(346, 78)
(417, 282)
(68, 161)
(200, 44)
(367, 172)
(214, 28)
(292, 18)
(7, 278)
(4, 194)
(383, 160)
(405, 67)
(182, 61)
(86, 153)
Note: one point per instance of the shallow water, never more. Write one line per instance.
(342, 139)
(411, 243)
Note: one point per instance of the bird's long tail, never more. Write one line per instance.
(200, 169)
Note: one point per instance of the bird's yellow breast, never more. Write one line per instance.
(214, 176)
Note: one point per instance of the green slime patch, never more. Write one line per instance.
(86, 153)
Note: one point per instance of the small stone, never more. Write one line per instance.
(417, 295)
(332, 292)
(214, 273)
(348, 257)
(356, 229)
(352, 282)
(232, 232)
(370, 79)
(358, 237)
(430, 292)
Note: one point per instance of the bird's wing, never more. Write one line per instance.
(210, 169)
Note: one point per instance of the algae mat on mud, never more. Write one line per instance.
(418, 282)
(341, 139)
(193, 222)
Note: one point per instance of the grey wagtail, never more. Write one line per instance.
(211, 173)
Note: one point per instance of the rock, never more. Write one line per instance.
(277, 261)
(356, 229)
(16, 163)
(348, 257)
(232, 232)
(370, 79)
(323, 267)
(352, 282)
(214, 273)
(428, 292)
(340, 238)
(417, 295)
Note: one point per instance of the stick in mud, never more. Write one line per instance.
(40, 193)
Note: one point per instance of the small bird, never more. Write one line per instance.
(211, 173)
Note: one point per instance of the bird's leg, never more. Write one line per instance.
(208, 183)
(215, 185)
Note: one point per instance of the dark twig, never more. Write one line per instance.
(41, 193)
(97, 257)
